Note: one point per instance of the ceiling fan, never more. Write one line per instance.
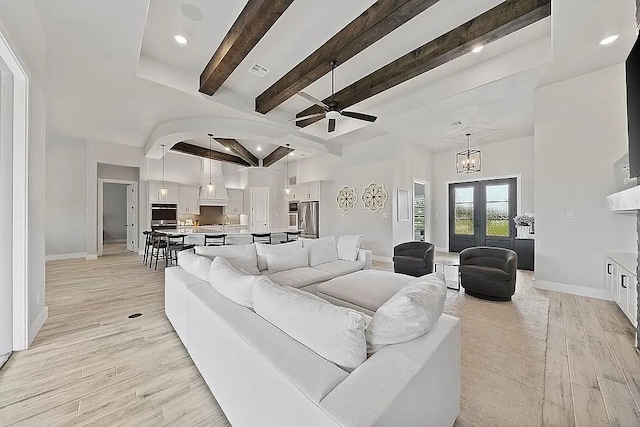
(332, 110)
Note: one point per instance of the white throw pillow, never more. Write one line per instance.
(231, 282)
(410, 313)
(228, 251)
(195, 265)
(263, 249)
(348, 247)
(335, 333)
(293, 258)
(321, 250)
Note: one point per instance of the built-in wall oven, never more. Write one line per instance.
(293, 215)
(164, 216)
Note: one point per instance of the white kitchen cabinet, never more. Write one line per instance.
(236, 202)
(173, 191)
(305, 192)
(188, 202)
(622, 281)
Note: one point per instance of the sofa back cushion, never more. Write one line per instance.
(195, 265)
(263, 250)
(321, 250)
(410, 313)
(288, 260)
(333, 332)
(242, 257)
(348, 247)
(232, 283)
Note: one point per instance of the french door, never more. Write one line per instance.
(481, 214)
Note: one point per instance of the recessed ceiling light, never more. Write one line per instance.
(477, 48)
(259, 148)
(609, 39)
(192, 12)
(227, 149)
(180, 39)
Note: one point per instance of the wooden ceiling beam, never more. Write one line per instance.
(276, 155)
(257, 17)
(380, 19)
(239, 150)
(502, 20)
(195, 150)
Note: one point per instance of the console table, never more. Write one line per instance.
(525, 248)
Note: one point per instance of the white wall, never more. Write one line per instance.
(66, 198)
(122, 173)
(507, 158)
(115, 212)
(29, 45)
(274, 179)
(359, 165)
(580, 131)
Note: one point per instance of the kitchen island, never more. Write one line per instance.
(236, 234)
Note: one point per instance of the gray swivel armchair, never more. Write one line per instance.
(489, 273)
(413, 258)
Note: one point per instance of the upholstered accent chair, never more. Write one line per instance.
(413, 258)
(489, 273)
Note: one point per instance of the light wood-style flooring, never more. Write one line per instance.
(91, 364)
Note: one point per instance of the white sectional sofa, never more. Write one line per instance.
(262, 377)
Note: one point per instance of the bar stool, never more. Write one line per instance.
(291, 236)
(261, 238)
(148, 241)
(158, 242)
(175, 244)
(216, 239)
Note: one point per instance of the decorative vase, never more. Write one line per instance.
(524, 232)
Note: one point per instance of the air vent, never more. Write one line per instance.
(258, 70)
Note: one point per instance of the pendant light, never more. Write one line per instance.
(162, 194)
(210, 186)
(468, 161)
(287, 190)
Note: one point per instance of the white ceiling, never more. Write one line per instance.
(116, 74)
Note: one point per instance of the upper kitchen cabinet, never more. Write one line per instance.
(305, 192)
(188, 202)
(172, 194)
(236, 202)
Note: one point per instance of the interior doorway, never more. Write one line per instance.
(259, 210)
(117, 216)
(481, 214)
(420, 209)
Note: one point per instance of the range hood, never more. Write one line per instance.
(624, 201)
(216, 196)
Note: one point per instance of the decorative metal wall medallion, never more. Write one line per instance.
(347, 198)
(374, 197)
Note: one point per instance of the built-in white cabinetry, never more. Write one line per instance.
(622, 283)
(188, 202)
(172, 195)
(236, 202)
(305, 192)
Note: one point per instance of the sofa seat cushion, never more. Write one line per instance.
(407, 260)
(365, 290)
(313, 375)
(340, 267)
(299, 277)
(487, 273)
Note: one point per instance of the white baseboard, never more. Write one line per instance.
(573, 289)
(442, 249)
(91, 257)
(381, 258)
(37, 324)
(58, 257)
(4, 358)
(106, 242)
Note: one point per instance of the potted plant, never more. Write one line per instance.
(525, 220)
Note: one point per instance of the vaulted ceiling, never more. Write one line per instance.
(119, 83)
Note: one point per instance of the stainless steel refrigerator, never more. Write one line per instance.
(308, 217)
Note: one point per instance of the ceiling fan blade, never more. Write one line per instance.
(312, 116)
(359, 116)
(313, 99)
(332, 125)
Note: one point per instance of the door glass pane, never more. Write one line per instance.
(498, 210)
(464, 223)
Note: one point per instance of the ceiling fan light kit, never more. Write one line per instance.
(332, 110)
(469, 161)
